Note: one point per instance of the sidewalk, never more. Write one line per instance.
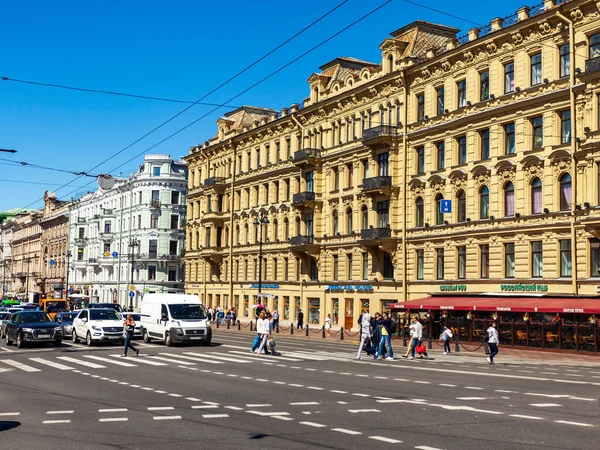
(468, 350)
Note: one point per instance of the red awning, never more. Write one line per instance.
(507, 304)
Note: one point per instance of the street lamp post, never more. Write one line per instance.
(69, 254)
(260, 221)
(132, 244)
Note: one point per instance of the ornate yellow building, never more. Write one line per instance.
(347, 195)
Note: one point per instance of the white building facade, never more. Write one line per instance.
(130, 223)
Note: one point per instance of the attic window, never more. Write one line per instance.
(390, 63)
(315, 94)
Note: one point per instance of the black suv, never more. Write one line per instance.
(31, 327)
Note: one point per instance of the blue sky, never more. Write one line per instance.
(176, 49)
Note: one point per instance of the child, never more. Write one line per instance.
(272, 345)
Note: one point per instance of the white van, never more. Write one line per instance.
(174, 318)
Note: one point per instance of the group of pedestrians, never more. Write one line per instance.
(221, 316)
(265, 324)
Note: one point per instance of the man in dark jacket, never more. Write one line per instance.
(385, 325)
(300, 319)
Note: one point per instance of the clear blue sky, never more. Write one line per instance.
(176, 49)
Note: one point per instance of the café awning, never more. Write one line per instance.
(503, 304)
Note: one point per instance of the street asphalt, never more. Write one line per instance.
(315, 395)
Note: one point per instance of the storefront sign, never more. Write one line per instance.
(264, 286)
(524, 287)
(348, 288)
(453, 287)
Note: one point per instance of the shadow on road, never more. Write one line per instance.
(8, 425)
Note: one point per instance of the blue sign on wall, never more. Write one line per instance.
(52, 262)
(446, 206)
(115, 254)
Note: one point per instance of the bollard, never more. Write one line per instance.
(228, 324)
(306, 329)
(323, 330)
(276, 328)
(292, 329)
(239, 325)
(217, 323)
(429, 344)
(341, 333)
(250, 325)
(404, 343)
(456, 347)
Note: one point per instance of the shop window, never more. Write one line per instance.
(314, 310)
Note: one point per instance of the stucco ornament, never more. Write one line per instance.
(517, 38)
(491, 48)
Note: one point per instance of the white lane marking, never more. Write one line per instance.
(175, 395)
(304, 403)
(212, 403)
(381, 378)
(346, 431)
(234, 408)
(204, 406)
(315, 388)
(176, 361)
(282, 418)
(422, 382)
(191, 358)
(166, 417)
(279, 382)
(295, 385)
(51, 364)
(9, 414)
(6, 349)
(21, 366)
(505, 391)
(544, 405)
(113, 419)
(81, 363)
(260, 379)
(313, 424)
(268, 413)
(447, 385)
(425, 447)
(258, 405)
(160, 408)
(147, 389)
(466, 408)
(55, 421)
(472, 398)
(418, 402)
(363, 375)
(144, 360)
(109, 360)
(384, 439)
(112, 410)
(522, 416)
(361, 395)
(475, 388)
(215, 416)
(355, 411)
(60, 412)
(233, 375)
(570, 397)
(579, 424)
(335, 391)
(192, 399)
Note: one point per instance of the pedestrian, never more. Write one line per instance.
(328, 323)
(365, 333)
(416, 337)
(263, 329)
(411, 332)
(492, 341)
(446, 338)
(385, 325)
(376, 334)
(129, 325)
(275, 320)
(300, 324)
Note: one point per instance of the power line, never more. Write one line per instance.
(33, 182)
(37, 166)
(229, 80)
(442, 12)
(122, 94)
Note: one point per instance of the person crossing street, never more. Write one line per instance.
(129, 325)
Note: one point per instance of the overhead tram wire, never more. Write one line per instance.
(32, 182)
(229, 80)
(37, 166)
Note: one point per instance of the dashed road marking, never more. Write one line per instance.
(112, 410)
(81, 363)
(9, 414)
(355, 411)
(160, 408)
(166, 417)
(304, 403)
(580, 424)
(60, 412)
(346, 431)
(204, 406)
(268, 413)
(113, 419)
(49, 422)
(258, 405)
(313, 424)
(215, 416)
(544, 405)
(522, 416)
(385, 439)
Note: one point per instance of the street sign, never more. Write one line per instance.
(107, 254)
(52, 262)
(132, 294)
(115, 254)
(446, 206)
(132, 288)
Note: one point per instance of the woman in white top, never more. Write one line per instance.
(493, 341)
(411, 330)
(263, 328)
(328, 322)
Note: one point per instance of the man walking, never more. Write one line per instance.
(385, 325)
(417, 336)
(365, 332)
(275, 320)
(300, 319)
(493, 341)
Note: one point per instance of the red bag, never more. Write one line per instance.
(421, 349)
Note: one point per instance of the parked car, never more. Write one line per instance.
(98, 325)
(4, 318)
(32, 327)
(65, 321)
(114, 306)
(137, 333)
(30, 306)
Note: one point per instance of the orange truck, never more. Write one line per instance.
(54, 305)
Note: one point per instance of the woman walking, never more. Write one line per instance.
(328, 323)
(493, 341)
(446, 338)
(129, 325)
(263, 328)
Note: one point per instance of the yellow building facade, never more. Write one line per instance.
(455, 164)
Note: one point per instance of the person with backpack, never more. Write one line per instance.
(385, 327)
(365, 332)
(446, 338)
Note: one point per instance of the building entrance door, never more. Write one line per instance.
(349, 314)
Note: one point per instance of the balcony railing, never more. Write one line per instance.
(303, 197)
(213, 181)
(296, 241)
(376, 183)
(93, 260)
(375, 233)
(306, 153)
(108, 212)
(592, 65)
(20, 274)
(380, 131)
(155, 204)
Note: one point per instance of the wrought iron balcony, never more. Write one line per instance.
(382, 134)
(304, 199)
(370, 234)
(381, 184)
(307, 156)
(21, 274)
(296, 241)
(93, 260)
(592, 65)
(155, 204)
(213, 181)
(108, 212)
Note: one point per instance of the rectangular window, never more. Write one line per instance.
(383, 162)
(365, 164)
(484, 85)
(336, 179)
(335, 267)
(151, 272)
(595, 46)
(107, 226)
(155, 196)
(153, 221)
(309, 178)
(81, 232)
(462, 149)
(257, 157)
(314, 310)
(537, 262)
(349, 267)
(565, 258)
(440, 101)
(484, 260)
(286, 265)
(79, 254)
(277, 152)
(484, 142)
(420, 107)
(509, 77)
(152, 248)
(420, 264)
(595, 257)
(565, 60)
(172, 275)
(173, 248)
(509, 260)
(420, 160)
(462, 262)
(174, 222)
(509, 139)
(537, 130)
(365, 266)
(175, 197)
(439, 260)
(441, 155)
(156, 171)
(383, 214)
(107, 247)
(536, 69)
(565, 127)
(461, 87)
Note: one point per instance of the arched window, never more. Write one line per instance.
(461, 206)
(297, 230)
(509, 199)
(484, 203)
(390, 61)
(382, 116)
(335, 222)
(536, 196)
(286, 229)
(247, 234)
(365, 217)
(349, 227)
(237, 235)
(439, 215)
(419, 212)
(565, 192)
(226, 237)
(275, 230)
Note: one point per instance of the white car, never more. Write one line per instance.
(98, 325)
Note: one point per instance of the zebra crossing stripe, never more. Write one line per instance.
(111, 361)
(54, 364)
(219, 357)
(144, 360)
(191, 358)
(20, 366)
(81, 363)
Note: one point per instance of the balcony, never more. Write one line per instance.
(304, 199)
(20, 274)
(107, 235)
(307, 157)
(108, 212)
(377, 185)
(303, 244)
(376, 238)
(93, 261)
(592, 65)
(80, 241)
(215, 183)
(214, 217)
(170, 257)
(380, 136)
(155, 204)
(213, 254)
